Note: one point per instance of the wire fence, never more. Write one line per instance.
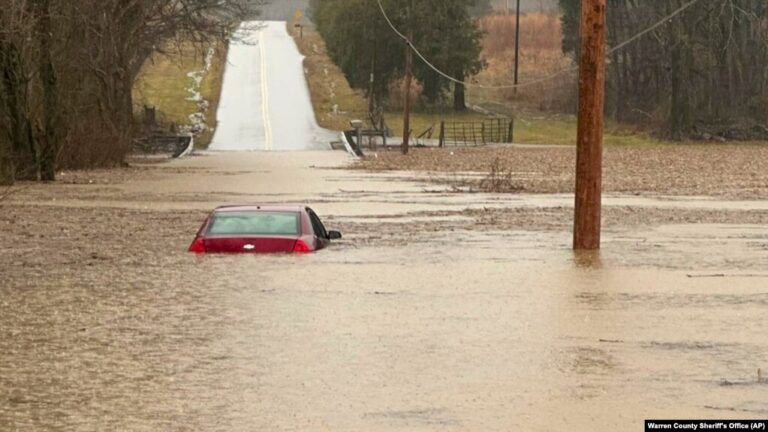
(491, 131)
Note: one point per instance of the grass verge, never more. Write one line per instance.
(544, 129)
(562, 129)
(164, 83)
(334, 101)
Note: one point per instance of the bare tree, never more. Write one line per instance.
(701, 73)
(68, 70)
(16, 50)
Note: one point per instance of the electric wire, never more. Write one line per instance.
(536, 81)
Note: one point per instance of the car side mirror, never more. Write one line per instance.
(334, 235)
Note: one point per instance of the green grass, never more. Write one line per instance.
(163, 83)
(542, 129)
(545, 131)
(561, 130)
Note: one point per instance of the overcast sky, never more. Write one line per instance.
(283, 10)
(527, 5)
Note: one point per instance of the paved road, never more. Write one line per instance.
(265, 102)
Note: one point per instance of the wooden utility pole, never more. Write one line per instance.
(589, 157)
(408, 79)
(517, 42)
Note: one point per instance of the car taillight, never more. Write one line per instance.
(198, 246)
(301, 247)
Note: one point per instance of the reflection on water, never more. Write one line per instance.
(497, 335)
(588, 259)
(107, 324)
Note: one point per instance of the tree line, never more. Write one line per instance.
(68, 69)
(372, 56)
(702, 74)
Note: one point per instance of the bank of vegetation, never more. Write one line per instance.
(334, 101)
(69, 69)
(541, 55)
(702, 74)
(372, 56)
(183, 88)
(544, 113)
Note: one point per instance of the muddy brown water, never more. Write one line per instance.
(107, 324)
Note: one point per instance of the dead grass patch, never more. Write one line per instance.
(500, 180)
(540, 56)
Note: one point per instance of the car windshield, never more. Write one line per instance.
(255, 223)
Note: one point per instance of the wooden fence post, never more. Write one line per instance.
(442, 134)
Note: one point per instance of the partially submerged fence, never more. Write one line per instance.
(490, 131)
(451, 134)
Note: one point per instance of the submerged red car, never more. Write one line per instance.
(262, 229)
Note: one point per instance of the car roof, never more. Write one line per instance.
(259, 208)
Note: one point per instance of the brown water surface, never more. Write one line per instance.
(106, 323)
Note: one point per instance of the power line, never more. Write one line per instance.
(653, 27)
(537, 81)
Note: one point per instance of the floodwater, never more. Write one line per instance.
(107, 324)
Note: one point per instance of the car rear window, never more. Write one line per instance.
(255, 223)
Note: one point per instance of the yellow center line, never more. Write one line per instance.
(265, 93)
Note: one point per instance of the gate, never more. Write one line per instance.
(490, 131)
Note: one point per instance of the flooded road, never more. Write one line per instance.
(439, 311)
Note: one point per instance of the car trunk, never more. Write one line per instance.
(250, 244)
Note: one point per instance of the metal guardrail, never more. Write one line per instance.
(174, 145)
(350, 138)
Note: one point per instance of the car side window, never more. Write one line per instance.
(317, 225)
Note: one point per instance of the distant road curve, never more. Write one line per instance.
(265, 102)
